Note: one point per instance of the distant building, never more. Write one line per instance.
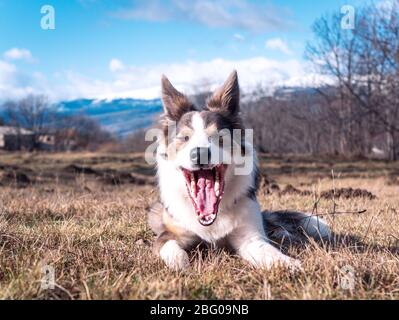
(14, 138)
(47, 142)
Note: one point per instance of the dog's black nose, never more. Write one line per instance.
(200, 156)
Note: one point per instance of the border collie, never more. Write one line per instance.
(207, 194)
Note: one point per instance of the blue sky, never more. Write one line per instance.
(105, 49)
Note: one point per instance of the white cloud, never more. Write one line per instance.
(239, 37)
(278, 44)
(116, 65)
(15, 84)
(18, 54)
(144, 82)
(6, 68)
(241, 14)
(7, 72)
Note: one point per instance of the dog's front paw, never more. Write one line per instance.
(174, 256)
(287, 262)
(268, 261)
(266, 256)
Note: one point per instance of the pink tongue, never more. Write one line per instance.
(206, 197)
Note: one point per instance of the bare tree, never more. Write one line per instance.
(364, 62)
(80, 133)
(32, 113)
(71, 132)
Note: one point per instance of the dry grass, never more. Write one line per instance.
(95, 235)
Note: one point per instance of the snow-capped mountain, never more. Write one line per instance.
(120, 116)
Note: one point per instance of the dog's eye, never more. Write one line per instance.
(184, 138)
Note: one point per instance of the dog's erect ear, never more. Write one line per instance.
(175, 104)
(226, 98)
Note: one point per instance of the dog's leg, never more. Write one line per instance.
(171, 251)
(172, 241)
(254, 247)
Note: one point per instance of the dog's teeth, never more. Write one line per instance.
(217, 188)
(192, 183)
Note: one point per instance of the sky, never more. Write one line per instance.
(106, 49)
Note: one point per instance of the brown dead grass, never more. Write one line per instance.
(95, 235)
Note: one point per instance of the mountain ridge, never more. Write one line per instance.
(120, 116)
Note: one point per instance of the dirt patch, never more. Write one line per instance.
(291, 190)
(347, 193)
(393, 179)
(268, 185)
(22, 177)
(15, 178)
(73, 168)
(111, 177)
(115, 178)
(344, 193)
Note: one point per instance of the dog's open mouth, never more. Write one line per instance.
(205, 189)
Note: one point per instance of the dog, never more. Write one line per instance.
(203, 198)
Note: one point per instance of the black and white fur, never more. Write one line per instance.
(240, 221)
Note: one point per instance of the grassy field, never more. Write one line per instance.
(84, 215)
